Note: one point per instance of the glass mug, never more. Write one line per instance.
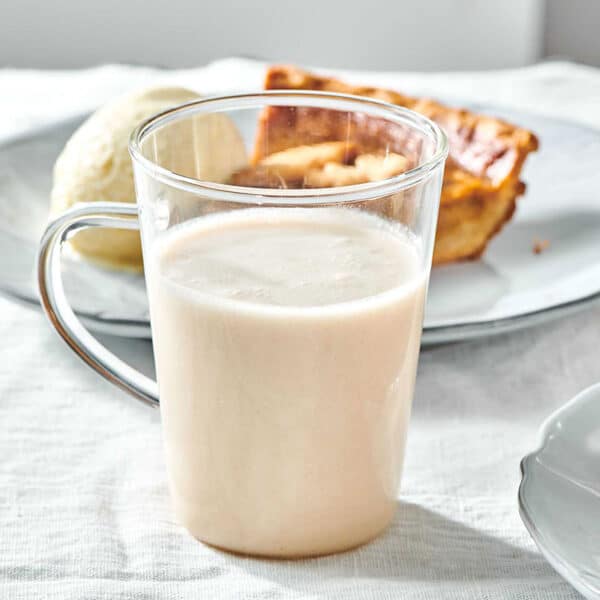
(285, 398)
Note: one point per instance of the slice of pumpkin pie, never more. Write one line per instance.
(314, 147)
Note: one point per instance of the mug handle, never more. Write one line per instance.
(56, 306)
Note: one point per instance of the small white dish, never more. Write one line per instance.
(559, 495)
(509, 288)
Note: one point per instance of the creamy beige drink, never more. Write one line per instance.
(286, 346)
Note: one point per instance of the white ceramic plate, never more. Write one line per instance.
(559, 496)
(509, 288)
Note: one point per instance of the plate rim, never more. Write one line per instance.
(559, 564)
(431, 335)
(469, 331)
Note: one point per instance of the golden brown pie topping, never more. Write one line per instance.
(327, 164)
(313, 156)
(481, 145)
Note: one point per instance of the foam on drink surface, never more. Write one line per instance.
(290, 257)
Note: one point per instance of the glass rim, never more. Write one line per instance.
(285, 196)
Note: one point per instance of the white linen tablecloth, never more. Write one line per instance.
(84, 508)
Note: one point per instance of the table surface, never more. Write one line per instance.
(84, 508)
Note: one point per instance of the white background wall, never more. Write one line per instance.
(369, 34)
(376, 34)
(573, 30)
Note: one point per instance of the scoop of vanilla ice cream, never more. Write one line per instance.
(95, 165)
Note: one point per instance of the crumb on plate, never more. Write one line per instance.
(540, 245)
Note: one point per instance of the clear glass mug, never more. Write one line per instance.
(284, 425)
